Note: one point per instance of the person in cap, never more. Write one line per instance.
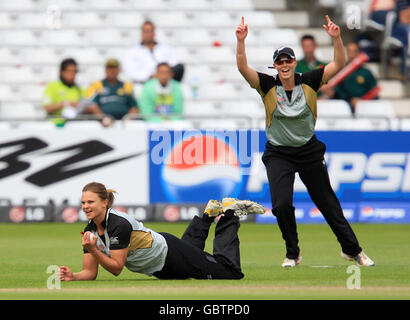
(290, 101)
(111, 96)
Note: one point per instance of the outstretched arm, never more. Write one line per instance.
(247, 72)
(339, 59)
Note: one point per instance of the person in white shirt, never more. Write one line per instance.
(140, 62)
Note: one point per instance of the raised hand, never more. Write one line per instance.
(242, 30)
(332, 29)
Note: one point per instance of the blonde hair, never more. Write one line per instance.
(103, 193)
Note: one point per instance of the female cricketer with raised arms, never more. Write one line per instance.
(290, 101)
(113, 240)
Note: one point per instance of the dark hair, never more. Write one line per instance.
(308, 37)
(67, 62)
(163, 64)
(102, 192)
(148, 22)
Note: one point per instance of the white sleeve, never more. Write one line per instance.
(166, 53)
(135, 66)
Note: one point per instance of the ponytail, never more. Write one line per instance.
(110, 197)
(103, 193)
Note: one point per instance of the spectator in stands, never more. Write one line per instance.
(111, 96)
(140, 62)
(309, 61)
(61, 97)
(379, 9)
(401, 30)
(356, 85)
(162, 95)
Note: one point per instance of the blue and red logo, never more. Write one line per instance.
(195, 169)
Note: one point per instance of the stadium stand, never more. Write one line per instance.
(36, 34)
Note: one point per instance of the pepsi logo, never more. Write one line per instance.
(17, 214)
(70, 215)
(200, 168)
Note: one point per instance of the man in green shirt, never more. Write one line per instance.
(161, 96)
(61, 97)
(309, 61)
(111, 96)
(356, 85)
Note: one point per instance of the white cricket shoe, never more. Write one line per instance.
(290, 263)
(361, 259)
(213, 208)
(242, 207)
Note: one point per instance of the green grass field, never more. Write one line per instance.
(27, 250)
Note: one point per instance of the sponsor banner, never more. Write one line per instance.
(184, 212)
(195, 166)
(40, 165)
(71, 214)
(26, 213)
(384, 212)
(305, 212)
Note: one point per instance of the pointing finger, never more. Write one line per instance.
(243, 20)
(328, 19)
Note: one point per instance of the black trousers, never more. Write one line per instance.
(308, 160)
(186, 258)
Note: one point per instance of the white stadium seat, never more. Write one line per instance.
(108, 37)
(7, 20)
(226, 36)
(194, 108)
(19, 110)
(333, 108)
(391, 89)
(279, 37)
(20, 37)
(128, 19)
(218, 91)
(248, 108)
(375, 108)
(63, 38)
(83, 20)
(23, 5)
(41, 55)
(215, 55)
(197, 5)
(8, 93)
(87, 55)
(9, 57)
(32, 20)
(152, 5)
(358, 124)
(106, 5)
(32, 92)
(170, 19)
(193, 37)
(231, 5)
(405, 124)
(216, 20)
(255, 19)
(18, 74)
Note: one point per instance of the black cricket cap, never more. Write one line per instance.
(283, 50)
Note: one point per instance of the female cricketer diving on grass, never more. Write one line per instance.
(113, 240)
(290, 101)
